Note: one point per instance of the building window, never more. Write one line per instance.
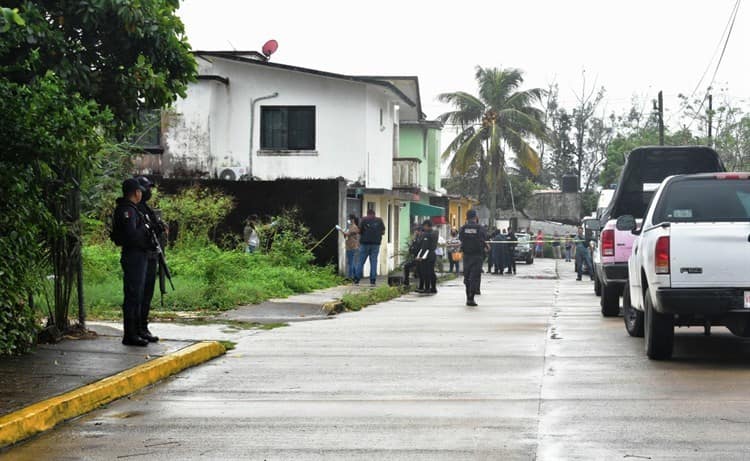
(147, 133)
(287, 127)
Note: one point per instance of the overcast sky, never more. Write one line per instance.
(633, 47)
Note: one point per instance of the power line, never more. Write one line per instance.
(733, 18)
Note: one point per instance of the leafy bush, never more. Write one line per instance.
(196, 212)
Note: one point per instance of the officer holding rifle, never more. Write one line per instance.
(153, 267)
(136, 229)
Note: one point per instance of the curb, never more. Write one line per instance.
(46, 414)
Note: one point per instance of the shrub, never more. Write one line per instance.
(196, 212)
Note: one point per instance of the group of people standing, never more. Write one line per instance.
(502, 254)
(422, 257)
(362, 243)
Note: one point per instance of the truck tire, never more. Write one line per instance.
(530, 260)
(633, 317)
(610, 301)
(659, 332)
(597, 286)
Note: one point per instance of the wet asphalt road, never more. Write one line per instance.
(534, 373)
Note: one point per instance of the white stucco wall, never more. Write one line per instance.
(211, 127)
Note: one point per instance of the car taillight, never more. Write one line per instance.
(732, 176)
(608, 242)
(661, 256)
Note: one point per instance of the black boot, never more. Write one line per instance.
(130, 336)
(144, 332)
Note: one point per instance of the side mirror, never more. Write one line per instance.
(626, 223)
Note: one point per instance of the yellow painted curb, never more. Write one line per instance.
(44, 415)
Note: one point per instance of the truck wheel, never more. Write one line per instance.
(530, 260)
(633, 317)
(659, 332)
(597, 286)
(610, 301)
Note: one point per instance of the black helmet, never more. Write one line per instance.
(144, 182)
(130, 185)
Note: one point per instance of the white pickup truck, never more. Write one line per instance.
(690, 264)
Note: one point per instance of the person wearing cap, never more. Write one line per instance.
(371, 234)
(129, 231)
(160, 229)
(474, 245)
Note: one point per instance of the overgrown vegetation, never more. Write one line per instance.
(208, 278)
(356, 301)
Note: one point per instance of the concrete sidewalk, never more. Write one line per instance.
(56, 382)
(53, 369)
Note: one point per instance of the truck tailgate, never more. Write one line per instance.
(710, 255)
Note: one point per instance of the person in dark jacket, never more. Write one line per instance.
(499, 252)
(474, 245)
(491, 252)
(129, 230)
(511, 251)
(411, 259)
(371, 234)
(427, 257)
(160, 229)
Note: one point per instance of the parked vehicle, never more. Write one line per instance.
(605, 198)
(689, 265)
(591, 228)
(523, 250)
(644, 169)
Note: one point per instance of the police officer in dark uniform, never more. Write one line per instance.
(159, 228)
(411, 266)
(129, 231)
(427, 246)
(473, 244)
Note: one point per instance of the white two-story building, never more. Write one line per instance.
(248, 118)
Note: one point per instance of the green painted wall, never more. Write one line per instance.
(433, 158)
(412, 145)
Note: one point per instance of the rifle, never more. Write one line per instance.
(164, 272)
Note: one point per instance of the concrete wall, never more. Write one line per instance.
(555, 206)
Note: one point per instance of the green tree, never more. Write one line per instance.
(71, 75)
(498, 121)
(126, 55)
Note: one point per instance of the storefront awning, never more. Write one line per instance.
(421, 209)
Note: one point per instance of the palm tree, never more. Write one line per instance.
(496, 122)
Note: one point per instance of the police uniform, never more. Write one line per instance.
(129, 230)
(473, 241)
(427, 246)
(152, 262)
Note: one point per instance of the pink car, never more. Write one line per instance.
(644, 169)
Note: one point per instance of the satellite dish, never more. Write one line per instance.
(270, 48)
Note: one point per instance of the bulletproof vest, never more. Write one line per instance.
(471, 239)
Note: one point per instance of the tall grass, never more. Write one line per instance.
(206, 278)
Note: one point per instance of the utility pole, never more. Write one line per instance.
(660, 109)
(710, 120)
